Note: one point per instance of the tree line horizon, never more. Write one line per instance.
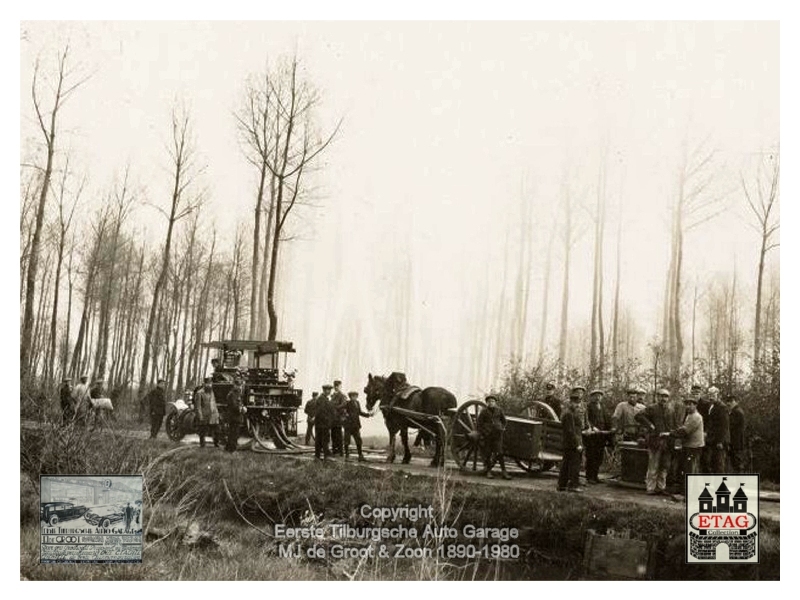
(96, 299)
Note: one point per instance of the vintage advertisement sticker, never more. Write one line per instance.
(722, 518)
(91, 519)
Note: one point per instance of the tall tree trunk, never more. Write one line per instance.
(255, 272)
(562, 341)
(181, 159)
(615, 318)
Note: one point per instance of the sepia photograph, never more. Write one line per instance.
(432, 300)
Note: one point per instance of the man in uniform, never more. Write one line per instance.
(65, 396)
(207, 413)
(323, 420)
(339, 402)
(352, 425)
(624, 417)
(572, 445)
(737, 446)
(691, 436)
(491, 425)
(597, 436)
(658, 418)
(233, 413)
(310, 410)
(157, 406)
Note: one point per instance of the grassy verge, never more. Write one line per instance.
(238, 499)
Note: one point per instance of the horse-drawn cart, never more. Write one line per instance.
(534, 442)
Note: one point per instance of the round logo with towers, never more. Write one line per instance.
(722, 518)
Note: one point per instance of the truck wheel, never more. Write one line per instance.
(53, 520)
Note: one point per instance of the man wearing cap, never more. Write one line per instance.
(310, 410)
(718, 436)
(572, 446)
(352, 425)
(157, 406)
(65, 396)
(323, 420)
(581, 408)
(597, 436)
(491, 424)
(624, 418)
(657, 418)
(339, 403)
(691, 436)
(736, 421)
(207, 413)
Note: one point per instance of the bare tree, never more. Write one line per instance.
(569, 235)
(597, 354)
(762, 201)
(47, 120)
(615, 328)
(65, 215)
(257, 120)
(182, 157)
(299, 147)
(694, 204)
(121, 206)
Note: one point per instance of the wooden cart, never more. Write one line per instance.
(533, 442)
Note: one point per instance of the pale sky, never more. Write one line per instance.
(447, 126)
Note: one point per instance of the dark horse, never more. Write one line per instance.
(394, 392)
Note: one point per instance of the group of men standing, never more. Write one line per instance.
(206, 412)
(701, 434)
(335, 419)
(77, 402)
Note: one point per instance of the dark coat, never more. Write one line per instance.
(97, 392)
(553, 402)
(311, 408)
(717, 426)
(66, 396)
(155, 400)
(736, 419)
(598, 416)
(491, 422)
(326, 414)
(570, 429)
(352, 420)
(657, 418)
(233, 403)
(339, 403)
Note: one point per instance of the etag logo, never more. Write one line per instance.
(722, 518)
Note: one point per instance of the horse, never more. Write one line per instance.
(393, 391)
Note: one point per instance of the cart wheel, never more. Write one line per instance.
(173, 427)
(540, 410)
(463, 438)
